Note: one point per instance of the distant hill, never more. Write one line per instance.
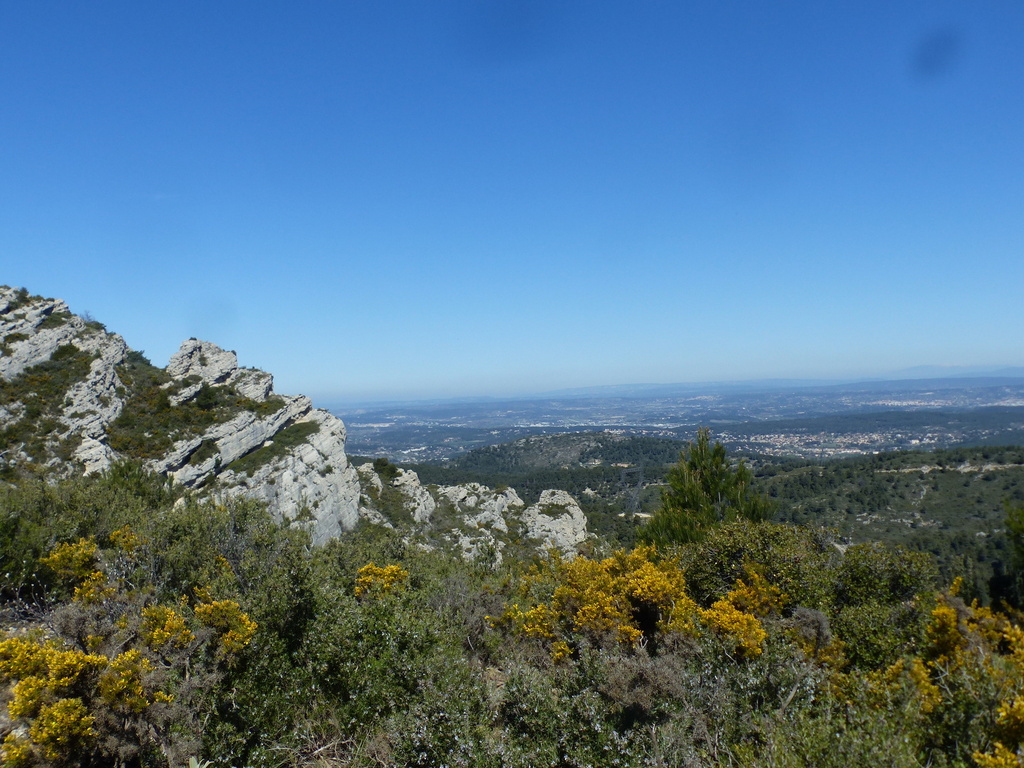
(74, 399)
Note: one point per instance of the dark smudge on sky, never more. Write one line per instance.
(937, 53)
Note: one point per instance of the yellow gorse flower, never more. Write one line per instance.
(121, 686)
(629, 597)
(375, 578)
(227, 617)
(163, 627)
(74, 561)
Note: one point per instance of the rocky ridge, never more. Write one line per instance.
(74, 395)
(472, 518)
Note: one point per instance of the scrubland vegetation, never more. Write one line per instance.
(145, 628)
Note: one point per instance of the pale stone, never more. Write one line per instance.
(314, 482)
(420, 502)
(203, 359)
(556, 521)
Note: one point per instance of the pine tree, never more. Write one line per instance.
(704, 491)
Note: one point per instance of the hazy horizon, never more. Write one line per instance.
(920, 373)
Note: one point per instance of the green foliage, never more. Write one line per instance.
(861, 662)
(799, 561)
(120, 677)
(206, 450)
(289, 437)
(149, 425)
(875, 573)
(385, 470)
(949, 504)
(41, 391)
(1015, 534)
(55, 320)
(9, 341)
(704, 491)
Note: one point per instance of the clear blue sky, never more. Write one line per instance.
(417, 199)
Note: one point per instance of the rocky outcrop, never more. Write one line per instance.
(276, 448)
(556, 521)
(421, 503)
(313, 482)
(471, 518)
(309, 479)
(32, 329)
(96, 401)
(213, 365)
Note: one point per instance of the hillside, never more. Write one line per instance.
(949, 503)
(174, 590)
(75, 399)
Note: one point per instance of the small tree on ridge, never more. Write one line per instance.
(704, 491)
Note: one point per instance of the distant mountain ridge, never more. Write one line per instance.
(923, 376)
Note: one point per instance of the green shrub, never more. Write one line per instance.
(288, 438)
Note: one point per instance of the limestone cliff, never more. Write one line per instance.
(73, 395)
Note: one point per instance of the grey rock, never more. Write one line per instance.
(557, 521)
(478, 521)
(421, 503)
(201, 358)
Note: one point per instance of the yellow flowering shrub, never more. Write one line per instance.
(84, 692)
(21, 657)
(946, 640)
(16, 750)
(628, 598)
(744, 629)
(95, 588)
(43, 671)
(78, 563)
(928, 692)
(1010, 712)
(126, 539)
(999, 757)
(539, 621)
(74, 561)
(162, 627)
(591, 596)
(47, 698)
(905, 685)
(121, 683)
(235, 627)
(756, 595)
(61, 728)
(374, 578)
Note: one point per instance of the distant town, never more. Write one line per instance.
(809, 421)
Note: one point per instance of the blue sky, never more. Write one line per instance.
(420, 199)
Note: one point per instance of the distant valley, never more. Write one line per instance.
(802, 419)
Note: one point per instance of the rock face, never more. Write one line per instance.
(75, 396)
(32, 330)
(557, 521)
(473, 519)
(310, 479)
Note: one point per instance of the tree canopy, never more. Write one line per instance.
(704, 490)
